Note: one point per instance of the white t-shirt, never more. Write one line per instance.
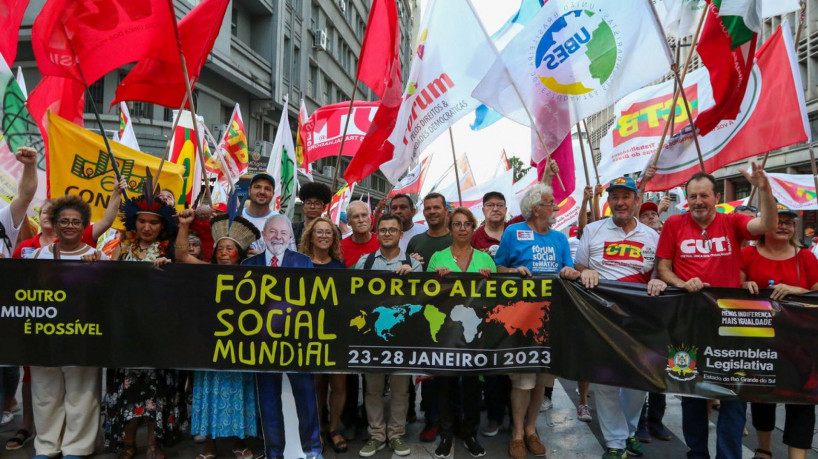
(416, 229)
(8, 243)
(606, 249)
(573, 243)
(45, 253)
(258, 222)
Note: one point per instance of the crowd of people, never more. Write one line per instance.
(65, 408)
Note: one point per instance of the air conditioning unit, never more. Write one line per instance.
(342, 4)
(329, 171)
(320, 39)
(263, 147)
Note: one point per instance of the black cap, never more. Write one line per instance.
(263, 176)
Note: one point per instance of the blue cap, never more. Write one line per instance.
(623, 182)
(263, 176)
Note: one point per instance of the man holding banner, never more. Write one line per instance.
(702, 248)
(619, 248)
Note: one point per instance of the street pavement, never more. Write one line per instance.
(563, 434)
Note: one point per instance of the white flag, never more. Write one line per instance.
(126, 135)
(21, 82)
(771, 8)
(282, 166)
(569, 63)
(449, 61)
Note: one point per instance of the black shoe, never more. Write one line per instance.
(660, 432)
(474, 447)
(444, 449)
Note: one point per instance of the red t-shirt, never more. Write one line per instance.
(353, 251)
(714, 256)
(761, 270)
(34, 243)
(481, 240)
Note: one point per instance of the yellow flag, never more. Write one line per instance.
(79, 164)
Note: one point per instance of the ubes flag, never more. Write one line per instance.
(448, 62)
(796, 191)
(80, 165)
(571, 62)
(105, 35)
(323, 130)
(773, 115)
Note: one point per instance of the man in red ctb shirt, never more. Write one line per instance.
(702, 248)
(362, 242)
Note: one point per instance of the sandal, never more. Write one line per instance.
(206, 456)
(126, 452)
(154, 452)
(245, 453)
(758, 451)
(19, 440)
(339, 446)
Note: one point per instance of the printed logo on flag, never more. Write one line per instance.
(648, 118)
(577, 54)
(681, 363)
(746, 318)
(623, 251)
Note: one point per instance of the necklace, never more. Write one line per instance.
(471, 253)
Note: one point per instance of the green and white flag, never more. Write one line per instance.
(282, 166)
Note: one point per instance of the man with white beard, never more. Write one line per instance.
(277, 234)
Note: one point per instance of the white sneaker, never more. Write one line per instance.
(584, 413)
(546, 405)
(8, 416)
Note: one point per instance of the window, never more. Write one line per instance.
(327, 91)
(234, 22)
(97, 91)
(312, 83)
(314, 12)
(140, 109)
(167, 115)
(287, 58)
(296, 65)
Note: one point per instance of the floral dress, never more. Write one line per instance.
(154, 394)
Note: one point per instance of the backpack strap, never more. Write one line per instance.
(370, 260)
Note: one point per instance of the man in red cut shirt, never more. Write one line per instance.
(702, 248)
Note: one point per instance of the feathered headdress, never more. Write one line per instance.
(233, 226)
(148, 202)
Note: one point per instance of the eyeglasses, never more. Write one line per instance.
(66, 222)
(465, 225)
(385, 231)
(753, 209)
(546, 204)
(314, 204)
(786, 223)
(494, 206)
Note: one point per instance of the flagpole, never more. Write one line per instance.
(767, 154)
(584, 161)
(676, 84)
(344, 135)
(519, 95)
(167, 145)
(111, 156)
(689, 116)
(678, 90)
(454, 162)
(591, 150)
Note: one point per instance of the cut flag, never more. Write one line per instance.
(158, 77)
(570, 63)
(773, 115)
(304, 166)
(381, 45)
(126, 135)
(282, 166)
(104, 36)
(438, 93)
(726, 48)
(11, 17)
(321, 133)
(412, 182)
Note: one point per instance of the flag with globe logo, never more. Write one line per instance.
(572, 61)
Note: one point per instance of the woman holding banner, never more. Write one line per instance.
(321, 241)
(460, 257)
(153, 394)
(66, 399)
(779, 263)
(224, 402)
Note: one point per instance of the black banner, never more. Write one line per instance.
(720, 343)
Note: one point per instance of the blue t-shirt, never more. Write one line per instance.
(540, 253)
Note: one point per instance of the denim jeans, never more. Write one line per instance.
(729, 430)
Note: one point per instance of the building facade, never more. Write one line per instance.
(268, 53)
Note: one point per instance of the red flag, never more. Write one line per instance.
(381, 44)
(104, 34)
(726, 48)
(11, 16)
(321, 133)
(158, 78)
(564, 157)
(62, 96)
